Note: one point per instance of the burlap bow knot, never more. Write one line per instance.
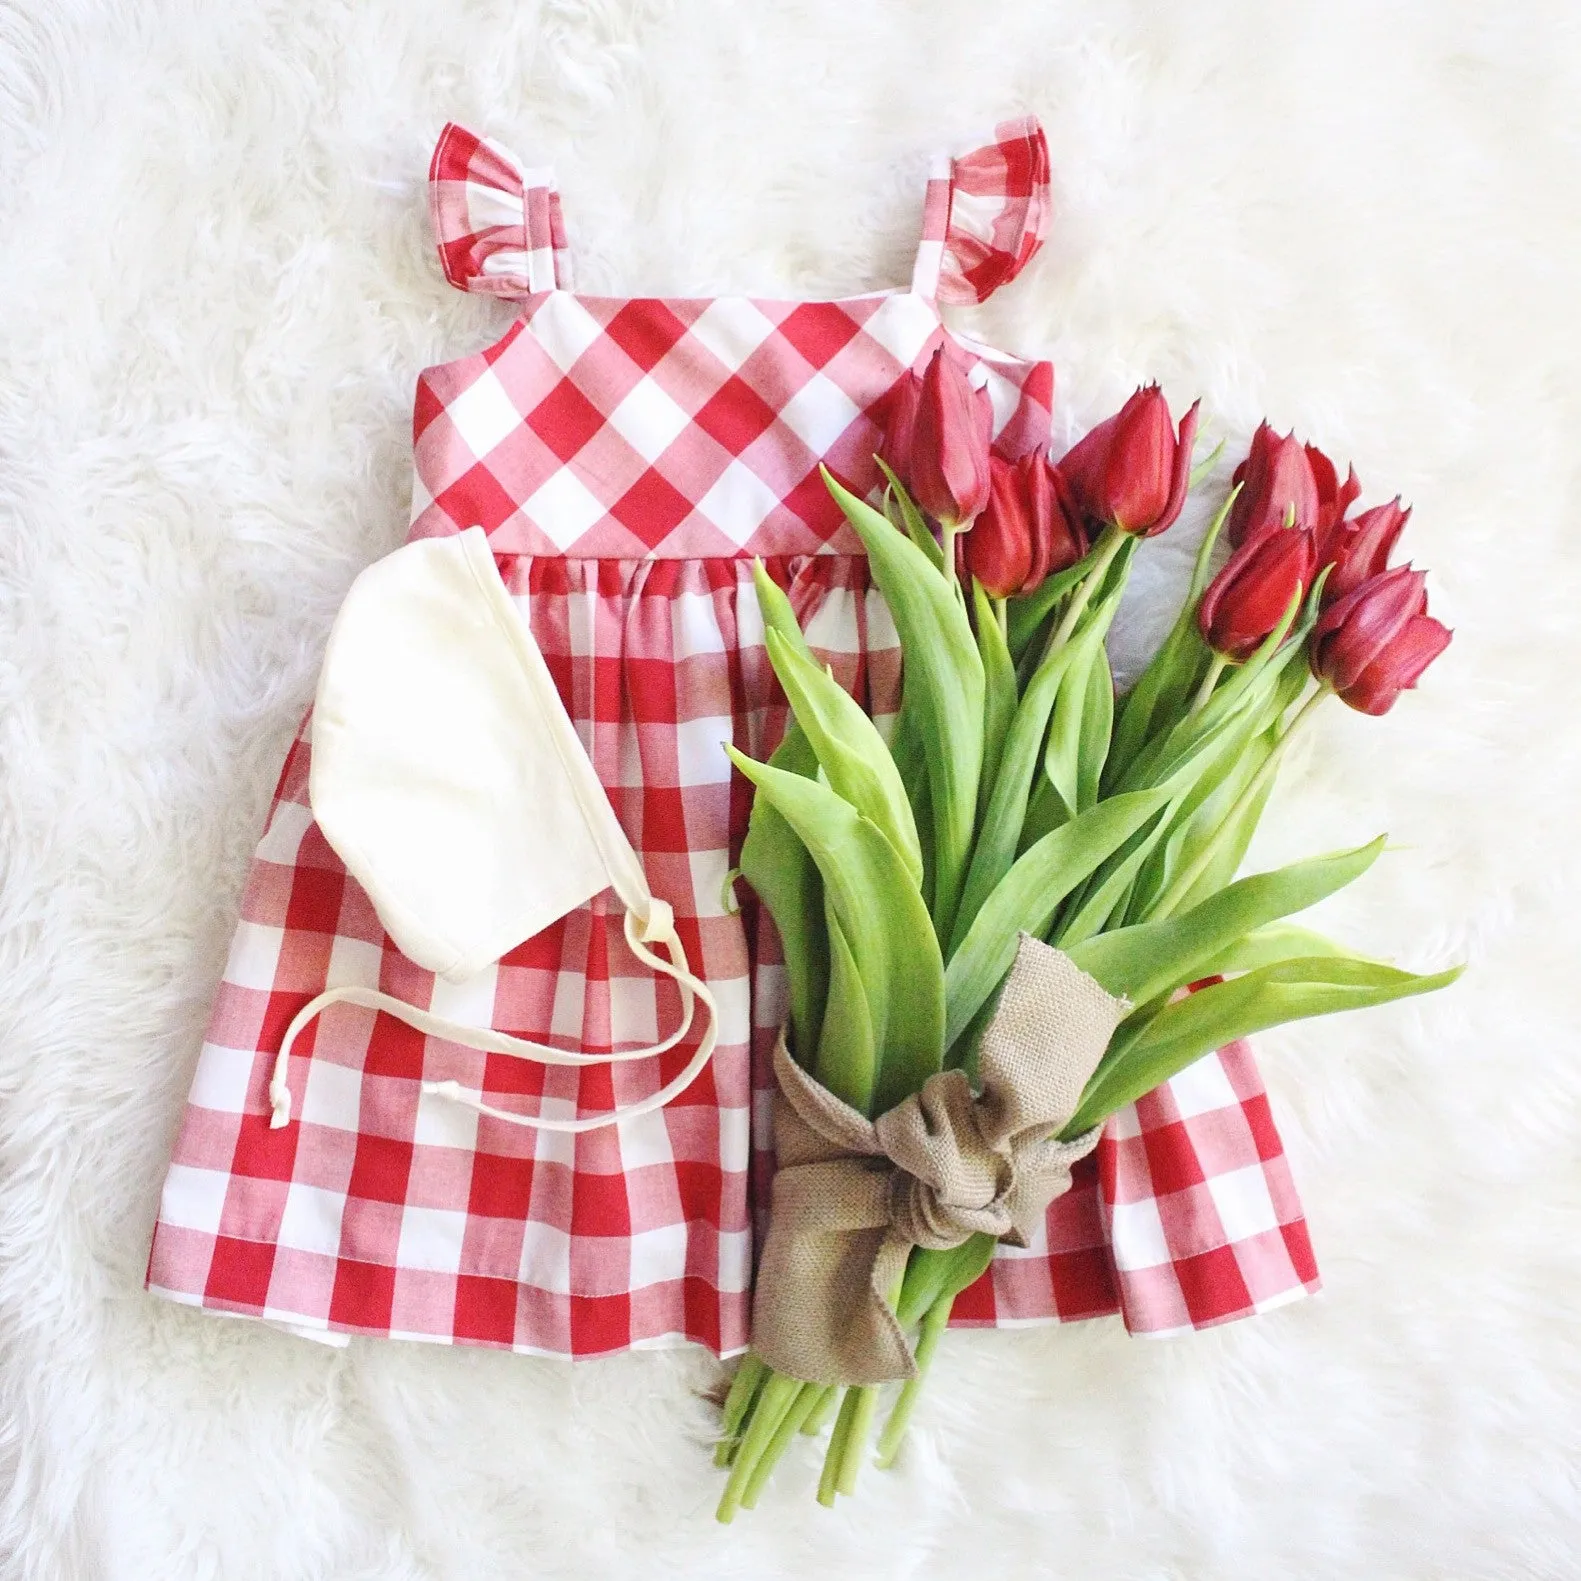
(853, 1195)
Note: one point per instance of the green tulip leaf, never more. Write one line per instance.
(778, 866)
(1097, 725)
(944, 687)
(1000, 698)
(1183, 1031)
(932, 1275)
(851, 752)
(1026, 616)
(1176, 669)
(911, 519)
(1062, 752)
(778, 616)
(999, 829)
(1267, 946)
(1227, 766)
(1028, 895)
(878, 906)
(848, 1056)
(1153, 958)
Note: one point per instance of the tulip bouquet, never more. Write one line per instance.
(1016, 795)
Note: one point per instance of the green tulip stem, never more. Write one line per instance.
(1183, 884)
(806, 1401)
(823, 1409)
(828, 1483)
(778, 1395)
(947, 532)
(1209, 681)
(858, 1430)
(1107, 547)
(934, 1323)
(738, 1402)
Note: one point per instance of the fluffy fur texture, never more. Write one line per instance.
(216, 287)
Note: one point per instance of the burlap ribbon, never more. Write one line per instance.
(853, 1195)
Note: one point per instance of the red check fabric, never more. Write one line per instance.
(628, 458)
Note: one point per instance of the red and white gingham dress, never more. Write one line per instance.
(628, 458)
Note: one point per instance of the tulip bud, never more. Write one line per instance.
(1023, 534)
(1131, 471)
(1246, 601)
(1333, 497)
(1277, 486)
(947, 463)
(900, 426)
(998, 550)
(1376, 641)
(1359, 550)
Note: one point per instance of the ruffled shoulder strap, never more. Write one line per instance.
(986, 213)
(497, 224)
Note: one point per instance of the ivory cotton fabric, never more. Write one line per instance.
(627, 457)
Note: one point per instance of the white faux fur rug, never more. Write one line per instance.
(216, 289)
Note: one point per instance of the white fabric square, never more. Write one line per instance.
(1202, 1087)
(193, 1199)
(311, 1221)
(492, 207)
(470, 1002)
(834, 623)
(700, 750)
(819, 412)
(333, 1095)
(644, 1141)
(421, 498)
(255, 956)
(354, 963)
(282, 840)
(1244, 1206)
(1124, 1125)
(732, 329)
(695, 622)
(570, 999)
(648, 420)
(708, 882)
(564, 507)
(484, 414)
(657, 1255)
(441, 1123)
(520, 263)
(565, 329)
(431, 1240)
(546, 1251)
(735, 1260)
(903, 325)
(222, 1079)
(738, 502)
(633, 1015)
(1137, 1235)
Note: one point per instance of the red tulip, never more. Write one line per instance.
(1376, 641)
(1246, 601)
(1359, 550)
(1286, 483)
(900, 426)
(1333, 497)
(1131, 471)
(937, 440)
(1022, 534)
